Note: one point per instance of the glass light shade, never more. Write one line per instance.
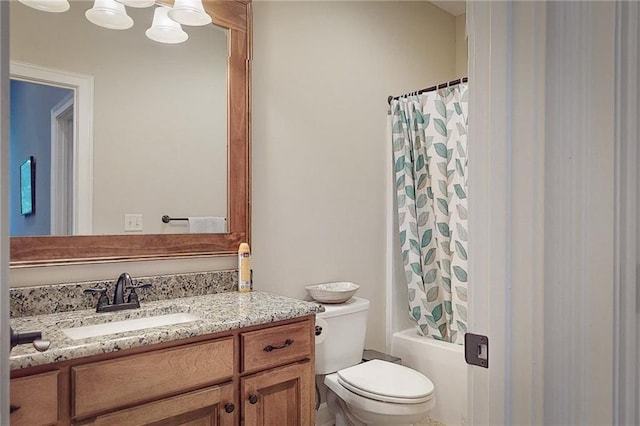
(137, 3)
(164, 29)
(189, 12)
(47, 5)
(109, 14)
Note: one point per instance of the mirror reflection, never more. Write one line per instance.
(139, 128)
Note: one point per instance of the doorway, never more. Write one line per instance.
(71, 127)
(41, 129)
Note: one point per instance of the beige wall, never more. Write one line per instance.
(461, 46)
(158, 111)
(322, 72)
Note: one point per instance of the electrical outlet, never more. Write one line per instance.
(132, 222)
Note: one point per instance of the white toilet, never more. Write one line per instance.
(365, 393)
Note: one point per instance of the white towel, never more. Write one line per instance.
(207, 225)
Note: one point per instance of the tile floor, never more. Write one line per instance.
(430, 422)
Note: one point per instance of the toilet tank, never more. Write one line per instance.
(341, 341)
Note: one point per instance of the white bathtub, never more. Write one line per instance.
(445, 366)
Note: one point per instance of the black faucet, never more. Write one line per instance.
(124, 280)
(123, 283)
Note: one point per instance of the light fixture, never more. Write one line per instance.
(189, 12)
(109, 14)
(112, 14)
(47, 5)
(137, 3)
(164, 29)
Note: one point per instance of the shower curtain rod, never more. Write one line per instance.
(430, 89)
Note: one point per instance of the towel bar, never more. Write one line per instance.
(167, 219)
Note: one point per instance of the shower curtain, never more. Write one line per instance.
(429, 137)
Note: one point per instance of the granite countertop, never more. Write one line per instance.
(217, 313)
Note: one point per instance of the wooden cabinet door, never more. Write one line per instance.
(213, 406)
(281, 396)
(34, 399)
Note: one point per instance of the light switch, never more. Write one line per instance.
(132, 222)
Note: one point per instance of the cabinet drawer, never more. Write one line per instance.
(37, 399)
(105, 385)
(262, 349)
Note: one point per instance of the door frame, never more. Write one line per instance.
(627, 238)
(4, 213)
(82, 86)
(62, 126)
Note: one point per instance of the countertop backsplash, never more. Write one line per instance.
(49, 299)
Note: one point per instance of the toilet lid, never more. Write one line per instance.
(387, 382)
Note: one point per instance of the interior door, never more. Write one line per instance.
(542, 210)
(506, 184)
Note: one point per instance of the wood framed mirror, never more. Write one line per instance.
(235, 16)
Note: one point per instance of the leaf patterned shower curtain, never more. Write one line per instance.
(429, 136)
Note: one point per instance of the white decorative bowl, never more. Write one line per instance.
(336, 292)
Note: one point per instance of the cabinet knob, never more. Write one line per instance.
(13, 408)
(253, 399)
(229, 407)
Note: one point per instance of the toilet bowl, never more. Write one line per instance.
(359, 393)
(380, 393)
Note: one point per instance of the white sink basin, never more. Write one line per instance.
(106, 328)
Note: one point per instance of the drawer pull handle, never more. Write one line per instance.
(13, 408)
(253, 399)
(286, 343)
(229, 407)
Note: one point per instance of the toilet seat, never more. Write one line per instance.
(387, 382)
(372, 411)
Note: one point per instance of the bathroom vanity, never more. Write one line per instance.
(248, 359)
